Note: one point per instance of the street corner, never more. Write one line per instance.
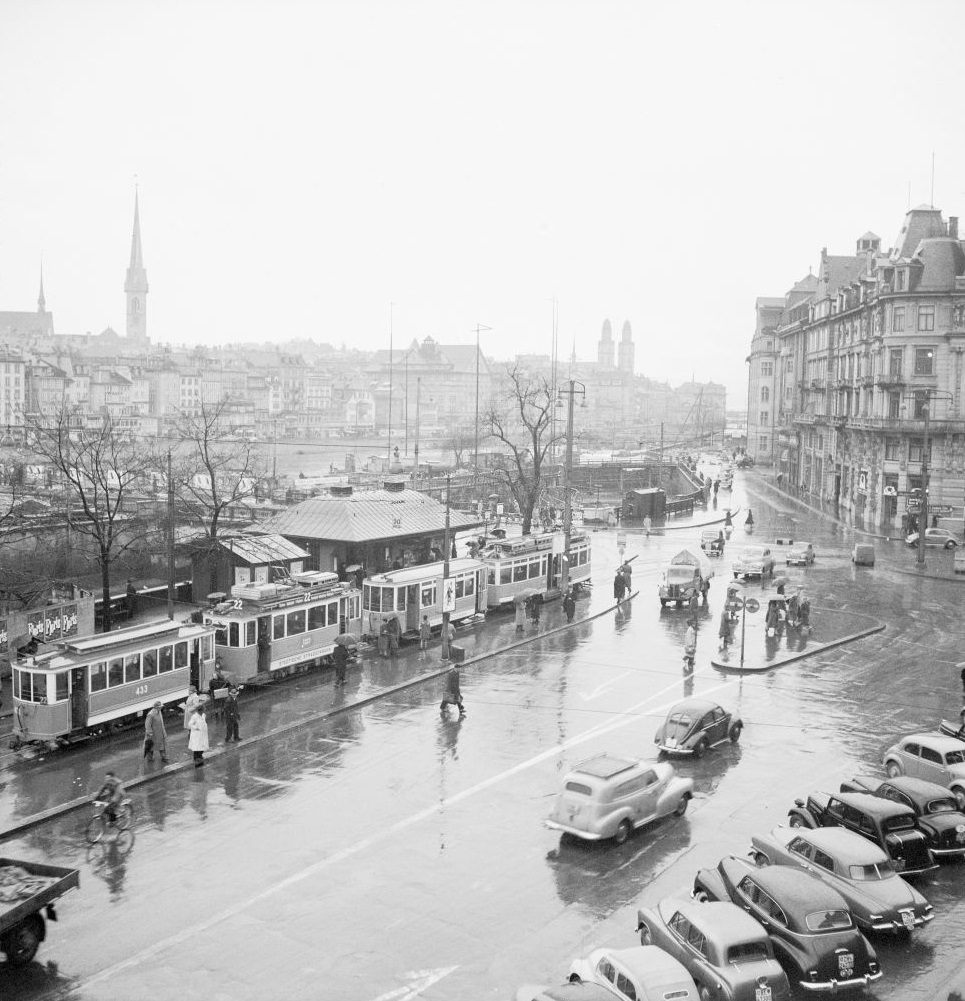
(832, 628)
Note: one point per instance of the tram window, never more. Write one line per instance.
(33, 687)
(132, 668)
(534, 568)
(316, 617)
(149, 660)
(207, 650)
(115, 671)
(296, 622)
(521, 571)
(251, 631)
(166, 661)
(232, 634)
(506, 575)
(61, 678)
(367, 590)
(353, 607)
(180, 654)
(491, 576)
(278, 627)
(221, 636)
(428, 596)
(332, 607)
(98, 676)
(470, 584)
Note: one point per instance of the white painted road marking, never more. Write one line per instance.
(421, 979)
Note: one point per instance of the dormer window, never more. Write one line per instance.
(899, 280)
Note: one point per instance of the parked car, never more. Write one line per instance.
(889, 824)
(801, 554)
(930, 756)
(935, 537)
(712, 542)
(811, 930)
(645, 973)
(936, 810)
(573, 990)
(755, 561)
(694, 725)
(879, 899)
(863, 554)
(725, 950)
(608, 797)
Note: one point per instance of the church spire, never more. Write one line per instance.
(135, 286)
(41, 301)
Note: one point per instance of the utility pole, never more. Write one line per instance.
(170, 539)
(567, 492)
(923, 524)
(475, 450)
(418, 389)
(445, 577)
(391, 366)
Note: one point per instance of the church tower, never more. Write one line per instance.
(604, 351)
(41, 299)
(626, 349)
(135, 285)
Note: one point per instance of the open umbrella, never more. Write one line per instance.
(781, 581)
(525, 594)
(346, 640)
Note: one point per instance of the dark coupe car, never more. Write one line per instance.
(694, 725)
(888, 824)
(810, 926)
(935, 808)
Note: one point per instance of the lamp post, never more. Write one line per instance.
(391, 367)
(475, 449)
(567, 473)
(929, 395)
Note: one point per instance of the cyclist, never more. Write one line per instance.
(112, 792)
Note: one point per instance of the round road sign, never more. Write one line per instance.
(734, 605)
(752, 604)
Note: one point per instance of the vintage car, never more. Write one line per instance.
(725, 950)
(936, 810)
(885, 822)
(686, 574)
(573, 990)
(800, 554)
(812, 933)
(934, 537)
(712, 542)
(930, 756)
(694, 725)
(642, 972)
(879, 899)
(608, 797)
(755, 561)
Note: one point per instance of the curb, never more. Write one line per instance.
(142, 780)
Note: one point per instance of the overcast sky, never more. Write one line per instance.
(302, 165)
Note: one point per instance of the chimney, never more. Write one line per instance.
(953, 226)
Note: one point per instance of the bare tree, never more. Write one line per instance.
(102, 468)
(459, 443)
(525, 426)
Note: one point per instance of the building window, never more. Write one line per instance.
(899, 280)
(898, 319)
(765, 394)
(763, 443)
(762, 417)
(894, 361)
(894, 405)
(920, 405)
(767, 368)
(958, 315)
(925, 360)
(926, 317)
(893, 448)
(916, 446)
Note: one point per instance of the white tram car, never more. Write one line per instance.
(533, 563)
(411, 592)
(74, 688)
(270, 630)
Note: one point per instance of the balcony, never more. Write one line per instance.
(817, 384)
(890, 380)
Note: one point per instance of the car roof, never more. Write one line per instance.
(695, 706)
(796, 889)
(868, 803)
(605, 766)
(845, 845)
(938, 741)
(918, 788)
(646, 960)
(729, 923)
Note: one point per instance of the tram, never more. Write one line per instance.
(75, 688)
(411, 592)
(269, 630)
(532, 563)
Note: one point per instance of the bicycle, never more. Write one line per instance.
(100, 824)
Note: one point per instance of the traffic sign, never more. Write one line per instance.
(752, 604)
(734, 605)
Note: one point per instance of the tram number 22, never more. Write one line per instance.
(141, 690)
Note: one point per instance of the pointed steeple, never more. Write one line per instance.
(135, 286)
(41, 301)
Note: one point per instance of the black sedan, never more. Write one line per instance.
(935, 808)
(810, 925)
(890, 825)
(693, 725)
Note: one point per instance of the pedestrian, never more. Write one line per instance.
(131, 599)
(619, 587)
(569, 608)
(961, 664)
(749, 520)
(395, 632)
(198, 736)
(155, 734)
(232, 716)
(425, 633)
(191, 704)
(647, 525)
(725, 629)
(792, 611)
(771, 620)
(804, 614)
(219, 680)
(520, 616)
(537, 609)
(340, 656)
(627, 572)
(690, 645)
(452, 696)
(716, 488)
(383, 639)
(693, 603)
(450, 633)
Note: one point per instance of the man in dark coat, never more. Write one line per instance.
(340, 656)
(619, 586)
(569, 606)
(452, 695)
(232, 717)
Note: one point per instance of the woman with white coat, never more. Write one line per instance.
(198, 736)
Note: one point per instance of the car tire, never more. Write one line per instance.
(646, 936)
(959, 793)
(575, 978)
(950, 544)
(796, 820)
(735, 732)
(20, 944)
(892, 769)
(704, 993)
(700, 748)
(759, 859)
(623, 832)
(702, 896)
(681, 807)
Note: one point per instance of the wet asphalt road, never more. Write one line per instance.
(385, 854)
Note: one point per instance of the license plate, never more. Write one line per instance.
(908, 919)
(671, 742)
(762, 993)
(846, 964)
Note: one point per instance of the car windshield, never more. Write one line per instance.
(872, 872)
(955, 758)
(753, 554)
(941, 806)
(744, 951)
(901, 823)
(828, 920)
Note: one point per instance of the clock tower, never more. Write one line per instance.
(135, 285)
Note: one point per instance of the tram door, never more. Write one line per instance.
(481, 599)
(412, 608)
(79, 700)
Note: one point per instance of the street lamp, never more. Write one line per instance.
(574, 388)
